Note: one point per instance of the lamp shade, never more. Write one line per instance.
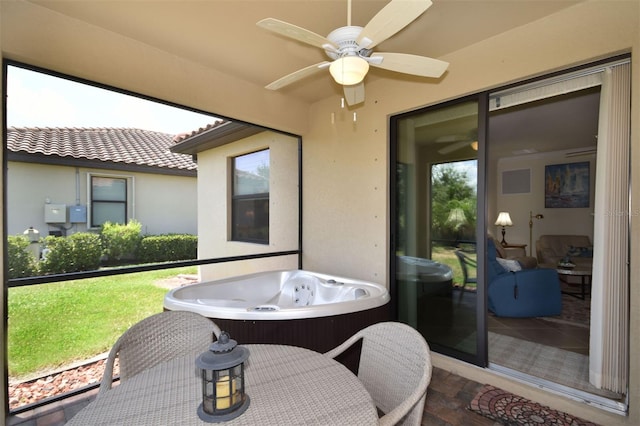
(504, 219)
(456, 217)
(349, 70)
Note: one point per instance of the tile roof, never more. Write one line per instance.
(116, 145)
(188, 135)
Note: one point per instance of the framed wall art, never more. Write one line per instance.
(566, 185)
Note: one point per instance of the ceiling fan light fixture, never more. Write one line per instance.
(349, 70)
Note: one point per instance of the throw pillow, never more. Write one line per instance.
(580, 251)
(509, 264)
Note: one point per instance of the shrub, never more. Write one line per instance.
(163, 248)
(120, 241)
(77, 252)
(20, 261)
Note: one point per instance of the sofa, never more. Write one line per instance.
(577, 249)
(524, 293)
(518, 255)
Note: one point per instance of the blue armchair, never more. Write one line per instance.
(525, 293)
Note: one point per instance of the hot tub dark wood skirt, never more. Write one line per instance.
(318, 334)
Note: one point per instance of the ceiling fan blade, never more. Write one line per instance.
(409, 64)
(453, 147)
(297, 75)
(396, 15)
(451, 138)
(297, 33)
(354, 94)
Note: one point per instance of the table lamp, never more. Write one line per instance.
(223, 396)
(503, 220)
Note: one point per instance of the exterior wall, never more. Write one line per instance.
(214, 210)
(575, 221)
(345, 165)
(173, 212)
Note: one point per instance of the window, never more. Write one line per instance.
(250, 198)
(108, 200)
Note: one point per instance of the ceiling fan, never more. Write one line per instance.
(458, 142)
(350, 48)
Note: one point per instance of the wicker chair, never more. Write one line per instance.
(466, 264)
(395, 368)
(155, 339)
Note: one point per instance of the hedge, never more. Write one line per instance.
(86, 251)
(164, 248)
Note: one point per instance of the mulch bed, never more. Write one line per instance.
(509, 409)
(36, 390)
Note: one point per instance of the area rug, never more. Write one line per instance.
(509, 409)
(545, 362)
(575, 312)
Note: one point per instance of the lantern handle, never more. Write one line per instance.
(223, 344)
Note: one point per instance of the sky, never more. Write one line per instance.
(469, 167)
(40, 100)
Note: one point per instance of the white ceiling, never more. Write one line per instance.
(567, 122)
(223, 36)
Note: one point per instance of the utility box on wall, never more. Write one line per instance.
(55, 213)
(78, 214)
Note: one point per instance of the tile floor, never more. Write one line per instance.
(447, 401)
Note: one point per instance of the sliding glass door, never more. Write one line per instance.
(456, 166)
(435, 191)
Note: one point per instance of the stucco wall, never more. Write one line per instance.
(173, 212)
(214, 210)
(346, 164)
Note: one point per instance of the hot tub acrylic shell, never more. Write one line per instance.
(277, 295)
(318, 327)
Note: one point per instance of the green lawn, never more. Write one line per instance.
(447, 256)
(51, 325)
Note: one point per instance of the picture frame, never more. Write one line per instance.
(567, 185)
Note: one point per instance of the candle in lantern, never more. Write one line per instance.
(223, 399)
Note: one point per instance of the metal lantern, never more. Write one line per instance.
(223, 396)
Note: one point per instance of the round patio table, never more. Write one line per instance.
(286, 384)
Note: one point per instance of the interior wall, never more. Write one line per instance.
(556, 221)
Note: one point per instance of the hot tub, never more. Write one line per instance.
(424, 288)
(302, 308)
